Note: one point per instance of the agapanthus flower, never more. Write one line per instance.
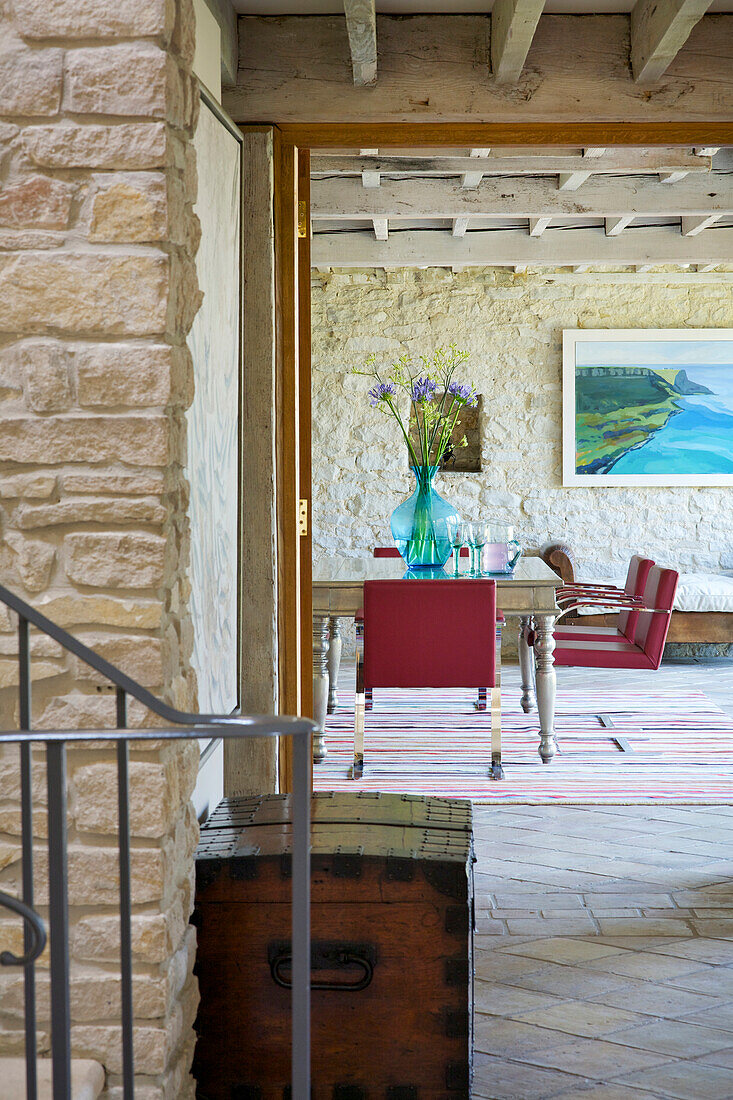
(464, 394)
(424, 389)
(380, 392)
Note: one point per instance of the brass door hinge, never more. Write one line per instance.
(303, 517)
(302, 218)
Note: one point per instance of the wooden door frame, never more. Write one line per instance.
(293, 143)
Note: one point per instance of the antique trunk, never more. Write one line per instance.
(392, 960)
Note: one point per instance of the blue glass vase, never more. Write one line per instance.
(420, 524)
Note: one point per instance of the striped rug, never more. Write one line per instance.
(434, 742)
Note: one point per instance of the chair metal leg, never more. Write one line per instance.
(497, 772)
(357, 769)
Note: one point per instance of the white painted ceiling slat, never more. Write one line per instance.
(381, 228)
(615, 226)
(661, 245)
(659, 29)
(460, 225)
(571, 181)
(513, 23)
(535, 199)
(537, 226)
(361, 24)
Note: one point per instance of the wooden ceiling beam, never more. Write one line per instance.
(361, 25)
(436, 248)
(659, 30)
(513, 23)
(521, 197)
(620, 161)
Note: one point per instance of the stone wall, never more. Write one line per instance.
(98, 285)
(512, 325)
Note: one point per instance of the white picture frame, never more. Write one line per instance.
(689, 445)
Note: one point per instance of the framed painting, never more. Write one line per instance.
(648, 407)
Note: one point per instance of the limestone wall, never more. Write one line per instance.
(98, 291)
(512, 325)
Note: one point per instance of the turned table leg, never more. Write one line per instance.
(320, 685)
(334, 662)
(544, 647)
(526, 663)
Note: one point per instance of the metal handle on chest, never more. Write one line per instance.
(349, 957)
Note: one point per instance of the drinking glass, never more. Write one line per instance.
(457, 536)
(478, 535)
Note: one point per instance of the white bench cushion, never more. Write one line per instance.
(695, 592)
(87, 1079)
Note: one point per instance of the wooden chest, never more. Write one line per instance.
(392, 949)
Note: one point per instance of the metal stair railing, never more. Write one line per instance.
(189, 726)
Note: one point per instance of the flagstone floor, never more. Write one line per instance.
(604, 960)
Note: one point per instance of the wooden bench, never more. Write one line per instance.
(704, 627)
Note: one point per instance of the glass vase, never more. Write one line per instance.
(420, 524)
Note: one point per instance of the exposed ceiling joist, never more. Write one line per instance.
(370, 179)
(520, 197)
(615, 226)
(571, 181)
(471, 180)
(537, 226)
(513, 23)
(361, 24)
(664, 245)
(692, 226)
(459, 227)
(381, 229)
(620, 161)
(659, 29)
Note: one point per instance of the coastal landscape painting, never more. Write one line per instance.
(648, 407)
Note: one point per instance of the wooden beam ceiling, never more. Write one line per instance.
(506, 248)
(513, 23)
(659, 29)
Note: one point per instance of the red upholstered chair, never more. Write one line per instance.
(429, 634)
(602, 595)
(650, 630)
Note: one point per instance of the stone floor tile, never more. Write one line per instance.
(627, 926)
(656, 1000)
(637, 900)
(570, 982)
(582, 1018)
(717, 952)
(499, 1079)
(722, 1058)
(638, 943)
(609, 1092)
(508, 1000)
(721, 1016)
(649, 966)
(511, 1038)
(686, 1081)
(548, 899)
(720, 912)
(562, 949)
(595, 1058)
(715, 980)
(714, 929)
(551, 926)
(675, 1037)
(499, 967)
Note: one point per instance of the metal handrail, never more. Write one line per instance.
(190, 726)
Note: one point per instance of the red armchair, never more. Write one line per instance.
(431, 633)
(602, 595)
(653, 612)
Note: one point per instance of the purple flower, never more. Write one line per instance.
(424, 389)
(380, 393)
(464, 394)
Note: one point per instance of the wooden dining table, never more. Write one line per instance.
(527, 594)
